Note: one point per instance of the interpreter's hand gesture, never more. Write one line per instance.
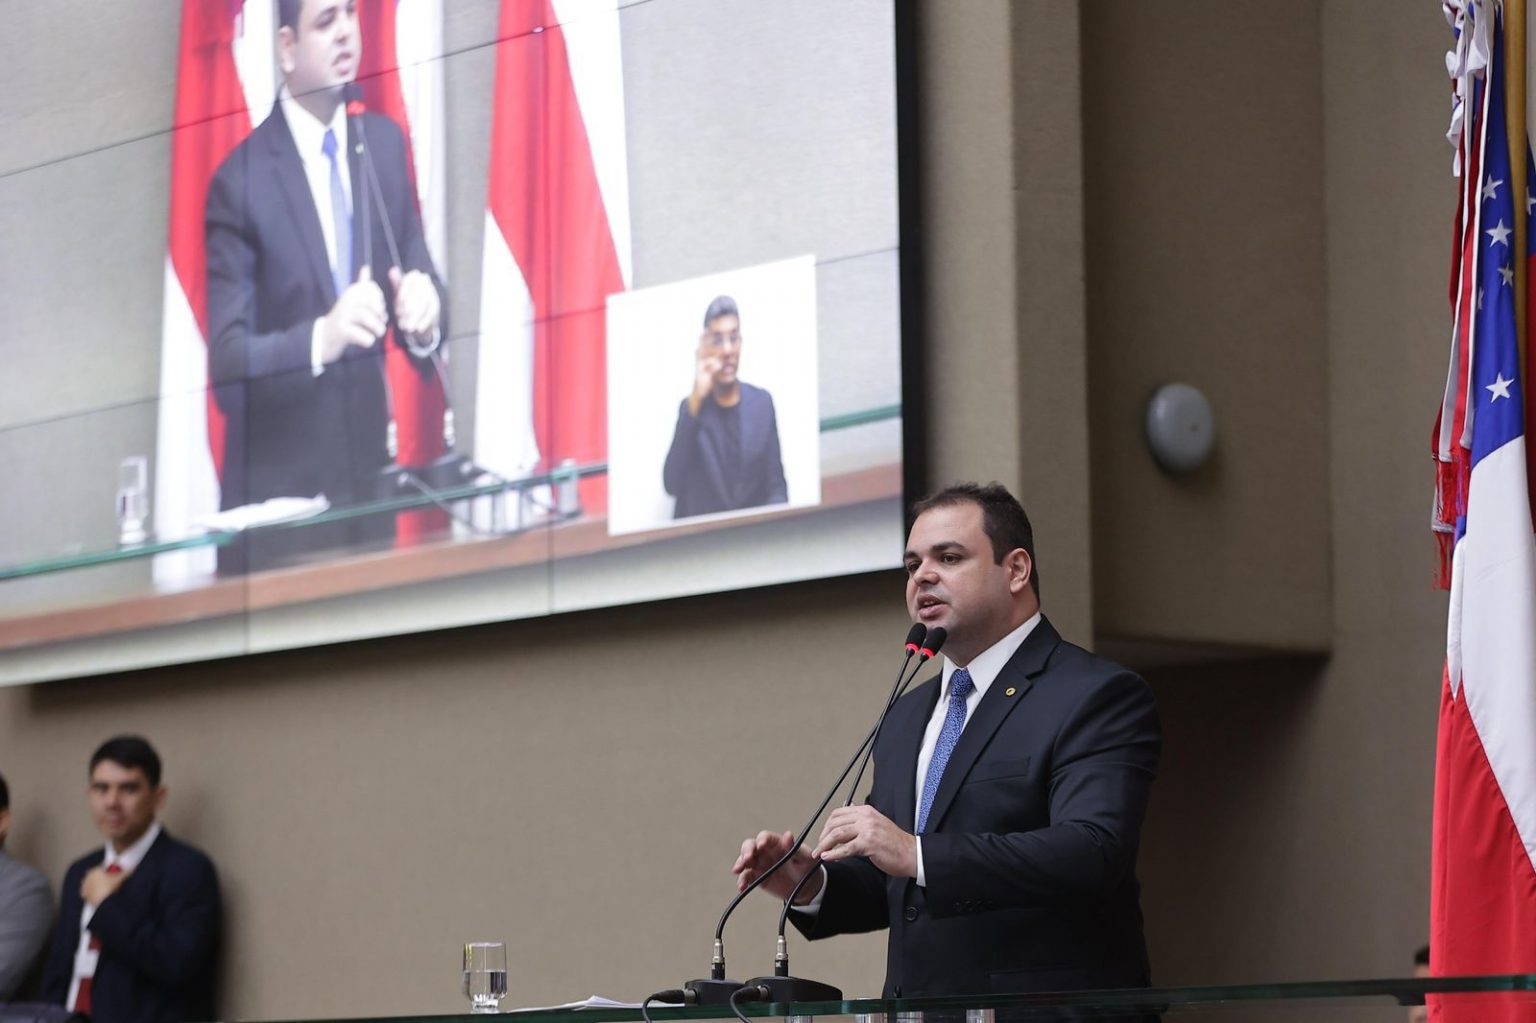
(706, 367)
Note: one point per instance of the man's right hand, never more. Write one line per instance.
(706, 365)
(358, 318)
(762, 852)
(98, 885)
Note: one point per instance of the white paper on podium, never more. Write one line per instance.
(277, 509)
(597, 1002)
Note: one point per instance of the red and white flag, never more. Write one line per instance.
(224, 73)
(556, 240)
(1483, 885)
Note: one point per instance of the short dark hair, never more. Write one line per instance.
(288, 14)
(723, 305)
(130, 751)
(1002, 518)
(1421, 957)
(5, 794)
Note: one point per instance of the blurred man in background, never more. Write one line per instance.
(26, 912)
(1420, 1013)
(139, 918)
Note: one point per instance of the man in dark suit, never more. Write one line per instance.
(138, 927)
(297, 303)
(725, 447)
(999, 840)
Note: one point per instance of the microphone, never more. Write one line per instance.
(781, 986)
(716, 989)
(926, 648)
(915, 636)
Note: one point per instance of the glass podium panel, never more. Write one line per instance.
(1451, 999)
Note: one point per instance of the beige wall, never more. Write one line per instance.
(1205, 265)
(1268, 197)
(577, 787)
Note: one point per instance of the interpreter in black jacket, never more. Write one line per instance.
(725, 448)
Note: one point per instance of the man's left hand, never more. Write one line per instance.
(863, 831)
(416, 302)
(97, 885)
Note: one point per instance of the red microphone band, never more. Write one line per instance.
(355, 108)
(915, 636)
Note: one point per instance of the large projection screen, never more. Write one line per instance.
(641, 271)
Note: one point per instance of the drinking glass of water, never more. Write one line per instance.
(485, 975)
(132, 500)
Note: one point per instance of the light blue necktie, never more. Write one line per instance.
(960, 686)
(341, 270)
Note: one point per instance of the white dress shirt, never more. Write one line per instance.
(984, 669)
(85, 956)
(308, 133)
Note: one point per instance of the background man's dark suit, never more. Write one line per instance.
(703, 474)
(159, 936)
(290, 433)
(1030, 852)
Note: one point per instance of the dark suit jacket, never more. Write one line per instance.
(700, 471)
(159, 937)
(1030, 853)
(290, 433)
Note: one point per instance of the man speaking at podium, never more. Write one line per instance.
(297, 302)
(999, 841)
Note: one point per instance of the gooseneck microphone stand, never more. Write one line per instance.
(716, 989)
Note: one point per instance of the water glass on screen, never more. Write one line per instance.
(132, 499)
(485, 975)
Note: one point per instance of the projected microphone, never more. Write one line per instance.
(716, 989)
(451, 469)
(372, 199)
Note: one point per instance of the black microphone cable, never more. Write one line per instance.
(675, 995)
(751, 992)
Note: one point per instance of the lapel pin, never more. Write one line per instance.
(1010, 691)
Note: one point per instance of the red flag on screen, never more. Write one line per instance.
(224, 71)
(556, 240)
